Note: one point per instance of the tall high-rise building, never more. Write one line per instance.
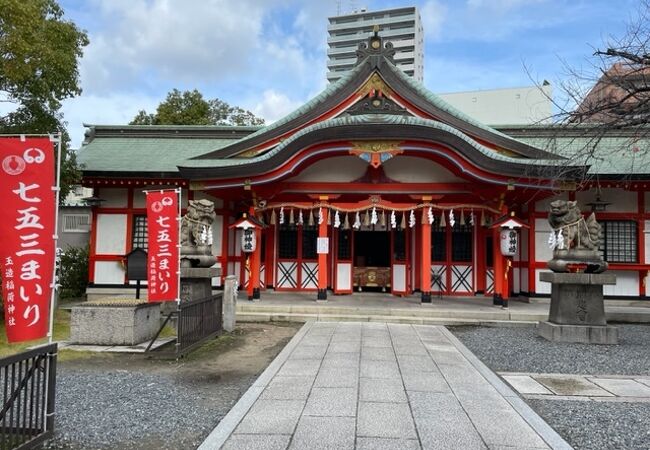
(401, 26)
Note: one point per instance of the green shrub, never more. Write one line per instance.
(73, 275)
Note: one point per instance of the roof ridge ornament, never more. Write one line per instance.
(374, 49)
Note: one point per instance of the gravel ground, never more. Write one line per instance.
(522, 350)
(584, 424)
(598, 425)
(122, 409)
(126, 402)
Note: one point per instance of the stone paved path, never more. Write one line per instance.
(379, 386)
(603, 388)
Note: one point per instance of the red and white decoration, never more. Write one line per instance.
(163, 257)
(27, 235)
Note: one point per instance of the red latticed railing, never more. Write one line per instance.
(28, 383)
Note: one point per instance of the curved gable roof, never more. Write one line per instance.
(351, 88)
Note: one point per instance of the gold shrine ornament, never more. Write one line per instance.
(376, 153)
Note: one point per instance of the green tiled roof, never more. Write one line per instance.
(143, 154)
(605, 155)
(360, 120)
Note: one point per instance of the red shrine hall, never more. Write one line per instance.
(374, 185)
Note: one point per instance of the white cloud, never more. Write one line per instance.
(159, 39)
(114, 109)
(275, 105)
(433, 15)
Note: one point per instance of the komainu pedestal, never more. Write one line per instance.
(577, 311)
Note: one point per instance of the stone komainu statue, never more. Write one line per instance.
(574, 239)
(196, 234)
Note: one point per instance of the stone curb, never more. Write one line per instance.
(227, 425)
(545, 431)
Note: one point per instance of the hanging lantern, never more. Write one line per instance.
(373, 216)
(366, 219)
(346, 224)
(383, 218)
(403, 224)
(393, 220)
(411, 219)
(452, 219)
(301, 219)
(291, 217)
(337, 220)
(430, 216)
(273, 218)
(443, 222)
(282, 215)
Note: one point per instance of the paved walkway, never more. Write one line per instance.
(602, 388)
(379, 386)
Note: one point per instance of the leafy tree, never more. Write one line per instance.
(39, 67)
(190, 108)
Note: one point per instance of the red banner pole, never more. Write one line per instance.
(57, 195)
(179, 191)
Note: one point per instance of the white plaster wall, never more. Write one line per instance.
(646, 231)
(113, 198)
(516, 282)
(543, 205)
(409, 169)
(627, 283)
(140, 201)
(338, 169)
(542, 231)
(523, 243)
(620, 199)
(111, 234)
(523, 279)
(108, 272)
(542, 287)
(217, 234)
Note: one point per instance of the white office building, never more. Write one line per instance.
(401, 26)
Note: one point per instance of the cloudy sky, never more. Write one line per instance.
(269, 56)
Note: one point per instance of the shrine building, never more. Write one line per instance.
(376, 184)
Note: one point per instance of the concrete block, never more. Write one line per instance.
(331, 402)
(378, 354)
(379, 369)
(300, 367)
(584, 334)
(387, 420)
(337, 377)
(573, 385)
(451, 427)
(114, 325)
(324, 433)
(257, 442)
(333, 360)
(309, 352)
(271, 417)
(525, 384)
(288, 388)
(381, 390)
(622, 387)
(387, 444)
(229, 303)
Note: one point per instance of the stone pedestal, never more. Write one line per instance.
(114, 321)
(577, 312)
(229, 303)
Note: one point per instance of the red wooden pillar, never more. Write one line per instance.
(425, 264)
(322, 257)
(255, 258)
(500, 277)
